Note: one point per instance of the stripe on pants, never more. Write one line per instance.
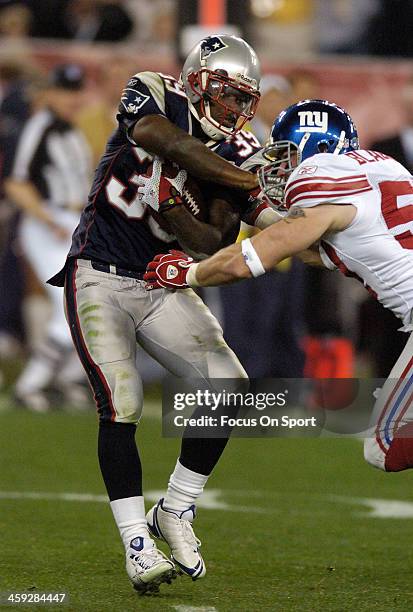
(101, 389)
(393, 404)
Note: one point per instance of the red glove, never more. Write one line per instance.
(168, 271)
(169, 196)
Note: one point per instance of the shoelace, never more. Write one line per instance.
(155, 556)
(189, 535)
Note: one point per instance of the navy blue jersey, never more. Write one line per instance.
(115, 227)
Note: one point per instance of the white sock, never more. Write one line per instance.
(129, 514)
(184, 487)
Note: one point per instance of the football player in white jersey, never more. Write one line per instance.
(347, 209)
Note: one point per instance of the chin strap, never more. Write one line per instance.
(206, 124)
(212, 131)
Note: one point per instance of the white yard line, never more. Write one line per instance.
(76, 497)
(212, 499)
(379, 508)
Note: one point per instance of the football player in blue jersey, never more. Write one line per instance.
(195, 123)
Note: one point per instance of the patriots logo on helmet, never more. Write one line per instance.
(212, 44)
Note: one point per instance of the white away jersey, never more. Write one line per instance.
(377, 247)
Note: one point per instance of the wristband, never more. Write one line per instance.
(251, 258)
(191, 276)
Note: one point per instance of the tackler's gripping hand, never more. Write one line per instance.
(168, 271)
(158, 191)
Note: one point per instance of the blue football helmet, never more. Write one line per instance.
(301, 131)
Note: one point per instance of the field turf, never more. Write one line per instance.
(290, 525)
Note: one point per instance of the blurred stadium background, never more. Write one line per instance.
(311, 533)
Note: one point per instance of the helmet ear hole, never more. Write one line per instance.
(323, 146)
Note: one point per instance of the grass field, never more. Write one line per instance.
(289, 525)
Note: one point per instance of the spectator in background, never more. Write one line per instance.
(97, 20)
(400, 145)
(15, 20)
(390, 29)
(98, 120)
(163, 27)
(155, 23)
(14, 111)
(49, 182)
(188, 13)
(14, 107)
(282, 28)
(305, 85)
(48, 18)
(15, 25)
(275, 96)
(82, 20)
(341, 25)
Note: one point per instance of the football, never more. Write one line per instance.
(192, 197)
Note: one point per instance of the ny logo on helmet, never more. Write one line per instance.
(313, 121)
(212, 44)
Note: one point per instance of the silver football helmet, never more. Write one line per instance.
(223, 70)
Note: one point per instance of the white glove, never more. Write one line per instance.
(158, 191)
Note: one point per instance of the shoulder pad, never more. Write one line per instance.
(325, 178)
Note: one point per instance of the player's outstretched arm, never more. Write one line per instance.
(159, 136)
(295, 233)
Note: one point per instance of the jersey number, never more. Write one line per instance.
(133, 209)
(115, 191)
(173, 85)
(246, 143)
(398, 213)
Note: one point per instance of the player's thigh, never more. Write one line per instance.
(104, 336)
(187, 340)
